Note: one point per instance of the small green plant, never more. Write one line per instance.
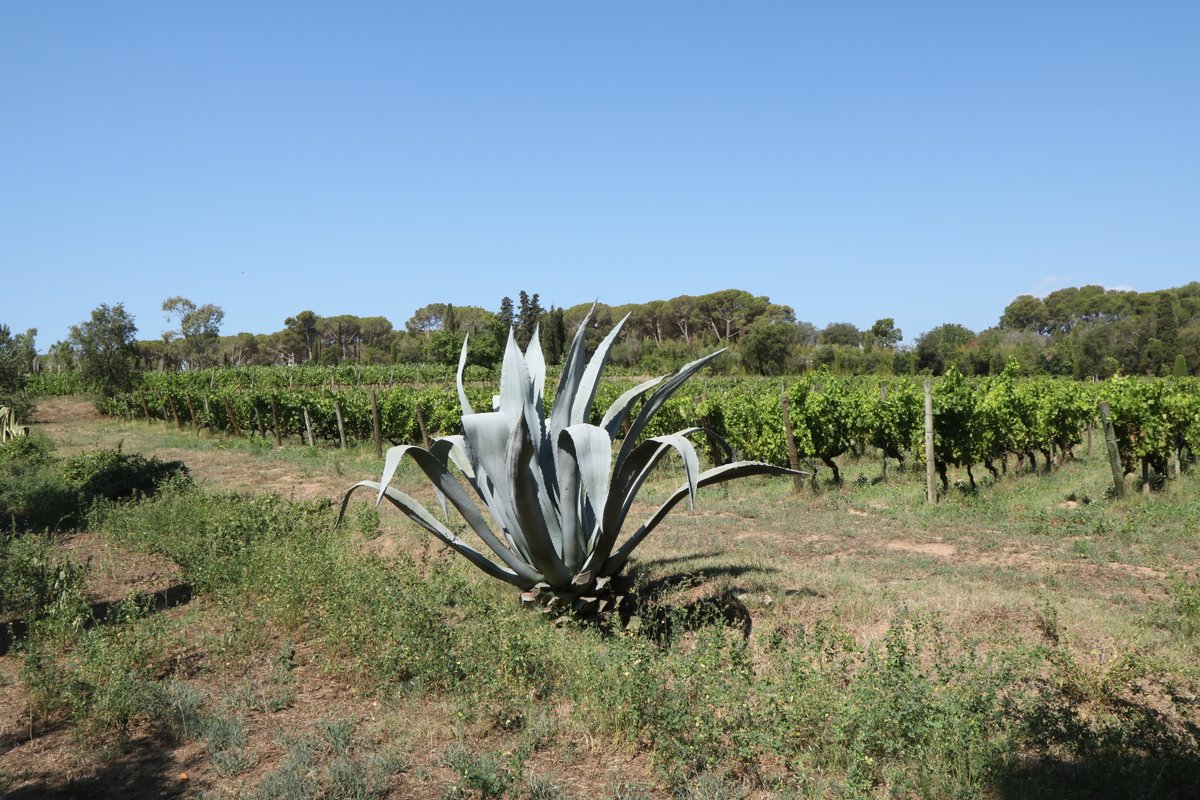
(9, 427)
(1185, 600)
(542, 788)
(488, 776)
(40, 587)
(551, 482)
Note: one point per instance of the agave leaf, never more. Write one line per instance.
(458, 378)
(527, 507)
(535, 362)
(445, 482)
(740, 469)
(627, 481)
(418, 514)
(568, 381)
(581, 403)
(447, 450)
(570, 503)
(585, 453)
(545, 472)
(453, 449)
(515, 386)
(656, 401)
(486, 437)
(719, 441)
(617, 413)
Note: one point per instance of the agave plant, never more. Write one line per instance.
(556, 494)
(9, 427)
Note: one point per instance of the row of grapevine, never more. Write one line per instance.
(259, 377)
(1001, 423)
(56, 384)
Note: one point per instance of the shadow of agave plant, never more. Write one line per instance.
(552, 486)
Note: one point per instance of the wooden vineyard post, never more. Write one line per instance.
(789, 434)
(930, 456)
(192, 414)
(232, 419)
(337, 410)
(308, 426)
(1088, 430)
(262, 429)
(421, 425)
(1114, 455)
(175, 412)
(376, 426)
(883, 458)
(145, 407)
(275, 423)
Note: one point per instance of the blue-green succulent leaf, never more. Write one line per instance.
(528, 509)
(740, 469)
(421, 516)
(581, 403)
(618, 412)
(458, 379)
(585, 454)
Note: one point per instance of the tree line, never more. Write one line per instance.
(1080, 332)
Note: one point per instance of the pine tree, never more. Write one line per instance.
(1166, 326)
(505, 317)
(554, 336)
(531, 312)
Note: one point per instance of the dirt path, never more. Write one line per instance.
(74, 426)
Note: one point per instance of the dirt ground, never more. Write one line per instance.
(41, 760)
(986, 575)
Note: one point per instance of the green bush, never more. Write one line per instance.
(33, 493)
(37, 585)
(40, 492)
(113, 475)
(107, 679)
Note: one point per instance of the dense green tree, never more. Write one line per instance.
(301, 340)
(937, 349)
(841, 333)
(884, 333)
(766, 346)
(554, 336)
(1166, 325)
(1026, 313)
(1154, 356)
(730, 312)
(528, 319)
(241, 350)
(106, 346)
(506, 314)
(682, 313)
(17, 355)
(197, 332)
(427, 319)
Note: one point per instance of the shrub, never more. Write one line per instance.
(113, 475)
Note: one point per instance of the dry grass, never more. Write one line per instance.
(1022, 560)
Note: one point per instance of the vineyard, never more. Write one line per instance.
(1004, 424)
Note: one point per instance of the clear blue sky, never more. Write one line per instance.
(855, 160)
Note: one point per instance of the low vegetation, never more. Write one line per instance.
(1053, 654)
